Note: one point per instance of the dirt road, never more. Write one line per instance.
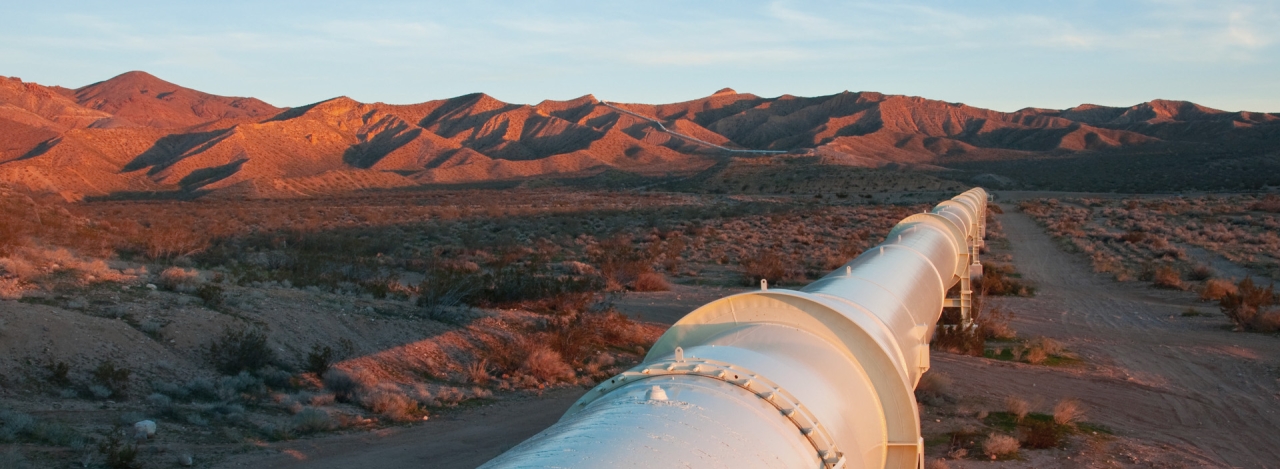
(1188, 383)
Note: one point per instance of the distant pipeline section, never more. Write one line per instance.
(820, 377)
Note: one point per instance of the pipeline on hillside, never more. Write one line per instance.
(820, 377)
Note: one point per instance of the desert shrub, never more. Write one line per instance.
(619, 260)
(59, 374)
(114, 380)
(578, 337)
(53, 433)
(180, 280)
(276, 378)
(1269, 203)
(1215, 289)
(506, 353)
(546, 365)
(312, 420)
(446, 287)
(766, 265)
(650, 281)
(934, 388)
(392, 405)
(320, 400)
(160, 402)
(119, 454)
(243, 383)
(599, 365)
(199, 388)
(1249, 308)
(1039, 349)
(525, 282)
(14, 424)
(344, 386)
(211, 294)
(998, 280)
(1068, 412)
(1167, 277)
(955, 338)
(477, 372)
(98, 391)
(319, 359)
(1134, 237)
(1017, 407)
(999, 446)
(239, 350)
(1200, 273)
(1041, 433)
(12, 288)
(1035, 355)
(993, 323)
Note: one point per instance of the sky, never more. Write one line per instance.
(1003, 55)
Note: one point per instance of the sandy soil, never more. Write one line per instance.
(1178, 391)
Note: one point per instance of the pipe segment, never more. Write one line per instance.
(820, 377)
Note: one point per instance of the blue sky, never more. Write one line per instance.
(1003, 55)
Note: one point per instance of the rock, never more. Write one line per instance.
(151, 286)
(185, 460)
(144, 429)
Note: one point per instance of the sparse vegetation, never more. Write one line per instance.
(323, 356)
(59, 374)
(1068, 412)
(119, 453)
(180, 280)
(113, 379)
(1250, 307)
(212, 295)
(1149, 238)
(312, 420)
(1017, 407)
(999, 446)
(237, 350)
(934, 388)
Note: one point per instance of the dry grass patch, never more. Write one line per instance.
(1068, 412)
(1017, 407)
(999, 446)
(650, 281)
(1215, 289)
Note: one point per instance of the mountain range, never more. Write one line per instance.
(138, 134)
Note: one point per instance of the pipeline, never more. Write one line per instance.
(820, 377)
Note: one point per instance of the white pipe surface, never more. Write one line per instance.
(819, 377)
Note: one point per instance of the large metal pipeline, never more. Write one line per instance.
(820, 377)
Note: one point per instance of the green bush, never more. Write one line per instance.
(58, 374)
(120, 455)
(115, 380)
(212, 295)
(239, 350)
(319, 360)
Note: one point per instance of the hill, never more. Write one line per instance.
(136, 134)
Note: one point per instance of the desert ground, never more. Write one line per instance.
(1173, 390)
(1164, 379)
